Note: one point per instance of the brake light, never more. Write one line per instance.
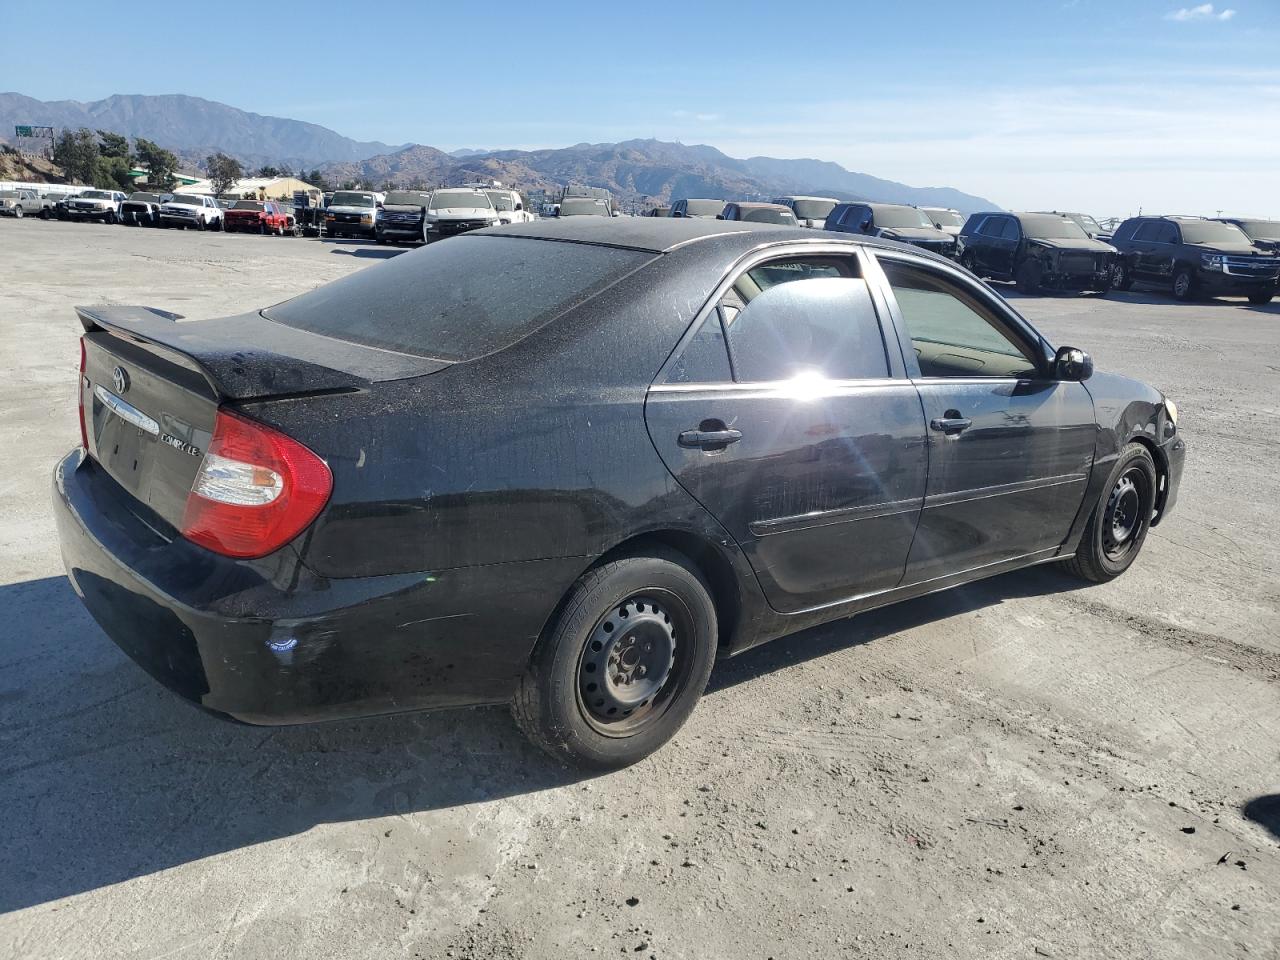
(84, 431)
(256, 490)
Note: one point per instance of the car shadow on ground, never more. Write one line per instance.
(1154, 296)
(1264, 811)
(370, 253)
(105, 776)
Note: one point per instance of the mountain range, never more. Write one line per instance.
(634, 169)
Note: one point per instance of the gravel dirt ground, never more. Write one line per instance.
(1022, 768)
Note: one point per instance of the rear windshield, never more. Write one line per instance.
(1260, 229)
(247, 205)
(703, 208)
(504, 202)
(813, 209)
(458, 299)
(583, 206)
(1210, 231)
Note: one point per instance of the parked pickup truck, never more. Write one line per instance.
(96, 205)
(458, 210)
(510, 206)
(191, 210)
(260, 216)
(23, 203)
(143, 209)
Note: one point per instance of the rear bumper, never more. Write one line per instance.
(269, 642)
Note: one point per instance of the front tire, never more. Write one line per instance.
(1184, 284)
(17, 213)
(1027, 279)
(1118, 526)
(1260, 298)
(621, 668)
(1121, 278)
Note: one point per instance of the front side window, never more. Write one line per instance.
(803, 317)
(994, 227)
(952, 332)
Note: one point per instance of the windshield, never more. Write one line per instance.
(583, 206)
(501, 200)
(1261, 229)
(783, 217)
(1087, 223)
(1050, 227)
(145, 197)
(703, 208)
(407, 198)
(349, 198)
(471, 199)
(901, 217)
(96, 195)
(247, 205)
(813, 209)
(460, 299)
(1210, 231)
(948, 218)
(186, 198)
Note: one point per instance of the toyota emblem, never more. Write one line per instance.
(120, 379)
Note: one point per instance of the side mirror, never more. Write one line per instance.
(1072, 364)
(676, 213)
(519, 206)
(719, 216)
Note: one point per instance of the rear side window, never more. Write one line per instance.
(994, 227)
(795, 317)
(461, 298)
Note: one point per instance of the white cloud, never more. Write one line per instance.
(1205, 11)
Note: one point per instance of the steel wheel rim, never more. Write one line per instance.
(1124, 518)
(634, 663)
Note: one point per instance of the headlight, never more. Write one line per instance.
(1211, 261)
(1172, 409)
(366, 218)
(330, 216)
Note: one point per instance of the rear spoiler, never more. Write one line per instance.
(249, 357)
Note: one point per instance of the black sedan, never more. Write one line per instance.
(568, 464)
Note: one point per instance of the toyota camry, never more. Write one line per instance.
(566, 465)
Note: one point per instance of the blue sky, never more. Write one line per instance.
(1101, 105)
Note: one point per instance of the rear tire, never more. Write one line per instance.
(1118, 525)
(967, 261)
(623, 665)
(1260, 298)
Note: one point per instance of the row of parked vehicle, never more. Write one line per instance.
(1192, 256)
(144, 209)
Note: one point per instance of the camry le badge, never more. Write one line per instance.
(120, 379)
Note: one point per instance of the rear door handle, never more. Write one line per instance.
(709, 438)
(951, 425)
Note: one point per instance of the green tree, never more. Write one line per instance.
(113, 145)
(223, 171)
(112, 173)
(161, 164)
(267, 172)
(315, 178)
(76, 152)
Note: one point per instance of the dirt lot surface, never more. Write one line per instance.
(1021, 768)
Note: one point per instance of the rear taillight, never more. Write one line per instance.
(256, 489)
(84, 431)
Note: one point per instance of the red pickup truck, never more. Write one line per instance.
(260, 216)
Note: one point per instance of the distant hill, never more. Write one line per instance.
(194, 126)
(656, 169)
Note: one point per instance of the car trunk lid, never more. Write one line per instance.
(152, 386)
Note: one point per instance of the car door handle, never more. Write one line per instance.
(709, 438)
(949, 424)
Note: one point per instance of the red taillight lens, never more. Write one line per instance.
(84, 431)
(256, 490)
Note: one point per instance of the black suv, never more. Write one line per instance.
(1265, 234)
(893, 221)
(1036, 250)
(701, 209)
(1195, 257)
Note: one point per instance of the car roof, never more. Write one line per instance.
(744, 205)
(665, 234)
(800, 196)
(884, 206)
